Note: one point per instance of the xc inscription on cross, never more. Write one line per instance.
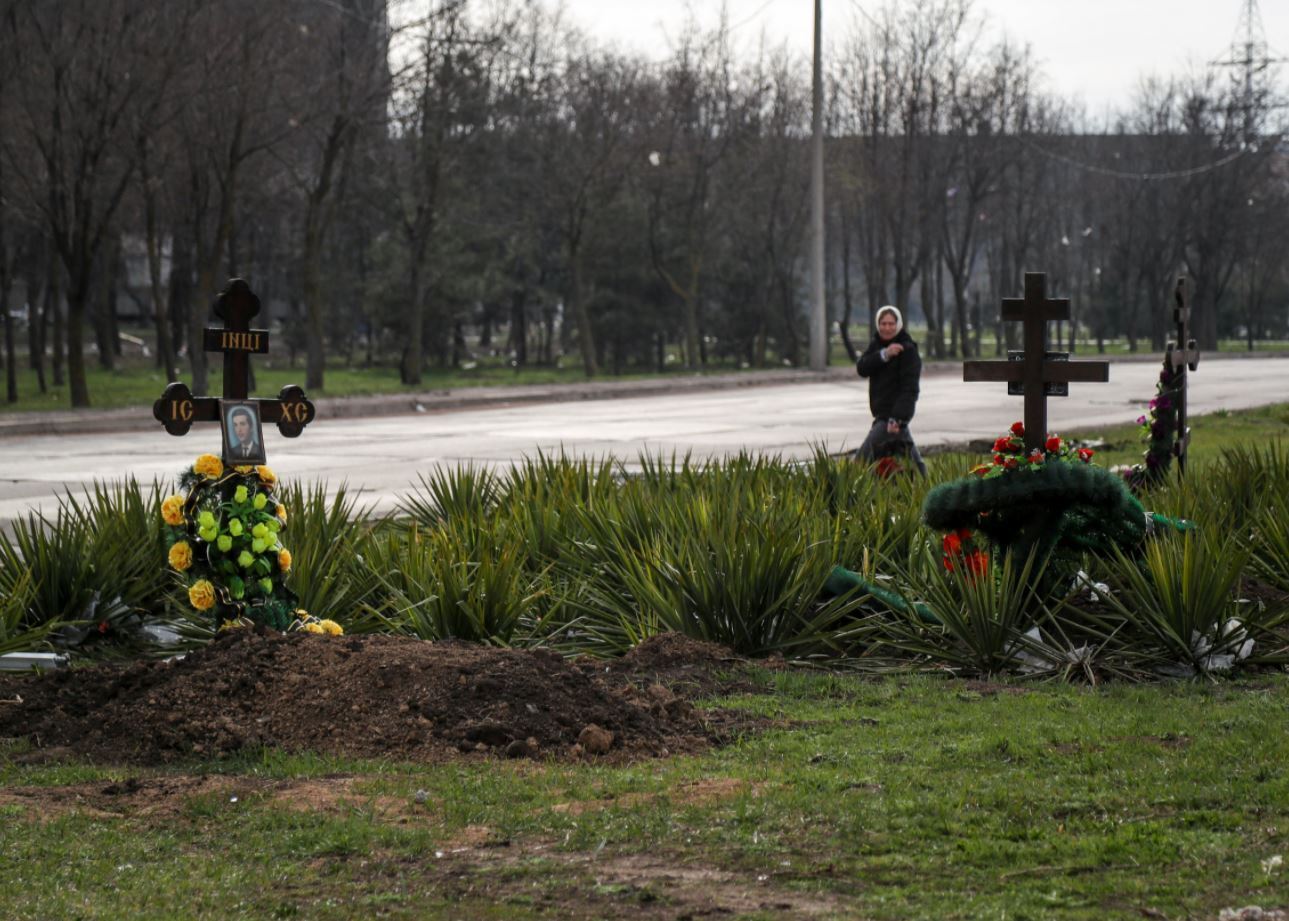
(178, 409)
(1035, 368)
(1179, 356)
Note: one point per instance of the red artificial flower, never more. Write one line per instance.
(1036, 456)
(977, 562)
(998, 458)
(1002, 444)
(103, 626)
(1011, 463)
(965, 534)
(1018, 428)
(952, 544)
(1085, 455)
(887, 467)
(1053, 443)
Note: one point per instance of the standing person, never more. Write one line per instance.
(893, 368)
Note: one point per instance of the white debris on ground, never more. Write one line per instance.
(1252, 913)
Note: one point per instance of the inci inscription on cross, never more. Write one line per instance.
(1037, 368)
(178, 409)
(1181, 355)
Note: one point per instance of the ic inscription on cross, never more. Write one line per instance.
(1181, 355)
(178, 409)
(1035, 368)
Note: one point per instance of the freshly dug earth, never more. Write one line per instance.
(392, 697)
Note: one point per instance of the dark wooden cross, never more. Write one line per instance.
(178, 409)
(1179, 356)
(1035, 372)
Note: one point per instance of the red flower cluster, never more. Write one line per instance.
(1009, 453)
(887, 467)
(960, 549)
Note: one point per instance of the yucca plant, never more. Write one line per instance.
(1269, 545)
(329, 538)
(1244, 477)
(96, 569)
(538, 498)
(460, 581)
(736, 563)
(1170, 608)
(448, 494)
(15, 636)
(985, 612)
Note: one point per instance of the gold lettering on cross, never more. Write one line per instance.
(249, 342)
(181, 410)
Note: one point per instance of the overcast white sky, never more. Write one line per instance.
(1093, 49)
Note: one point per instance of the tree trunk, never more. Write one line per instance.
(311, 289)
(77, 296)
(160, 315)
(10, 361)
(414, 350)
(35, 323)
(179, 297)
(585, 335)
(54, 310)
(519, 326)
(101, 311)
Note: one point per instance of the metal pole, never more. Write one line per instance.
(818, 310)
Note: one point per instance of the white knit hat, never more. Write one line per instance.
(899, 318)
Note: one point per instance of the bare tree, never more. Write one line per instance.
(85, 68)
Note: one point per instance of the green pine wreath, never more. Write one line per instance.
(1051, 500)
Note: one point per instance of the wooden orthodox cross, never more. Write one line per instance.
(1035, 372)
(178, 409)
(1181, 355)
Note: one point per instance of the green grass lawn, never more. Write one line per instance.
(910, 797)
(1210, 433)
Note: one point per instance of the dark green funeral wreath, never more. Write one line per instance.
(1051, 500)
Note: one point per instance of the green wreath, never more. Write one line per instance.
(1051, 500)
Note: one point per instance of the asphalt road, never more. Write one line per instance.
(381, 456)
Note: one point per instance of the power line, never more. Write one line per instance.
(742, 22)
(1145, 177)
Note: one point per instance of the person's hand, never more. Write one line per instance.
(892, 427)
(893, 349)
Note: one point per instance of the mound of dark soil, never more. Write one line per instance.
(384, 696)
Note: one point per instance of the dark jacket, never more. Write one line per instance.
(892, 385)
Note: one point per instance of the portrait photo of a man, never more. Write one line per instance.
(243, 437)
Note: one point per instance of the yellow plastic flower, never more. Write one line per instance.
(332, 628)
(266, 474)
(172, 511)
(181, 555)
(281, 513)
(284, 560)
(202, 595)
(313, 628)
(208, 465)
(243, 468)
